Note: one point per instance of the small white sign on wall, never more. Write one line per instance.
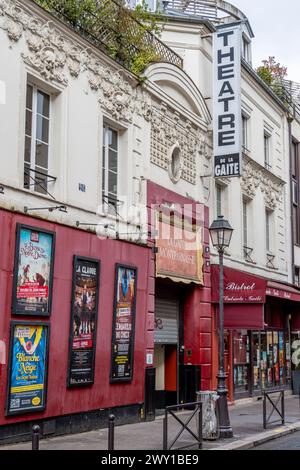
(2, 92)
(149, 359)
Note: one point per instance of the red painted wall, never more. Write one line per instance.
(197, 306)
(69, 241)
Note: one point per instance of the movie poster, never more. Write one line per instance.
(28, 368)
(83, 321)
(123, 326)
(33, 271)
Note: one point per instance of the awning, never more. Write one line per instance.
(239, 287)
(282, 291)
(245, 316)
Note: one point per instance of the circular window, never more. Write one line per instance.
(175, 163)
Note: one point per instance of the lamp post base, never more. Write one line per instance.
(224, 423)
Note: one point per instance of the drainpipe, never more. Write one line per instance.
(290, 120)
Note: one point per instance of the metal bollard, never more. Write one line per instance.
(111, 432)
(35, 437)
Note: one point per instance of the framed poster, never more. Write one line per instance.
(28, 367)
(33, 271)
(83, 328)
(121, 367)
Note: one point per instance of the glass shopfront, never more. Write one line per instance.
(261, 360)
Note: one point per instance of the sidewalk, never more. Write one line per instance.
(246, 420)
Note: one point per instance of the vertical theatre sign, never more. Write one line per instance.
(123, 324)
(33, 271)
(27, 367)
(227, 102)
(84, 312)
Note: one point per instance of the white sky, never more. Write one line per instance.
(276, 27)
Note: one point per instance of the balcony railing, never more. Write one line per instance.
(270, 261)
(247, 254)
(114, 30)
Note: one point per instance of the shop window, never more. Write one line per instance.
(37, 139)
(241, 359)
(256, 361)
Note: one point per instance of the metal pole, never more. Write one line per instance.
(225, 428)
(35, 437)
(165, 432)
(200, 425)
(265, 411)
(111, 432)
(282, 407)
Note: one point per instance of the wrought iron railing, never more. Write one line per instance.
(280, 88)
(113, 29)
(270, 261)
(248, 254)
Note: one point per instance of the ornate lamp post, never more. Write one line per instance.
(220, 233)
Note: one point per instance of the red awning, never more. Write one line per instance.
(239, 287)
(282, 291)
(244, 316)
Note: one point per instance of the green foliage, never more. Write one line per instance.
(273, 73)
(265, 74)
(126, 35)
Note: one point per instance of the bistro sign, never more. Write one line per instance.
(227, 102)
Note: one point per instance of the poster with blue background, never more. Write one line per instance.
(33, 271)
(28, 368)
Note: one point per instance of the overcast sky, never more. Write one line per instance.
(276, 27)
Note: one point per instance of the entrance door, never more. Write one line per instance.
(166, 351)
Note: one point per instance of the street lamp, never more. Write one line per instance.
(220, 234)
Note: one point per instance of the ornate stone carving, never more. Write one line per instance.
(52, 55)
(250, 180)
(253, 177)
(168, 129)
(272, 192)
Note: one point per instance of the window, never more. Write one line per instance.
(110, 169)
(246, 49)
(219, 200)
(297, 276)
(245, 223)
(37, 130)
(244, 131)
(267, 142)
(268, 231)
(295, 191)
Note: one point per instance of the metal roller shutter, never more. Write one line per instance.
(166, 321)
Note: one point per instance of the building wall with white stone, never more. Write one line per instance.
(263, 186)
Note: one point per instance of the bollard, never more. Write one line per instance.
(35, 437)
(111, 432)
